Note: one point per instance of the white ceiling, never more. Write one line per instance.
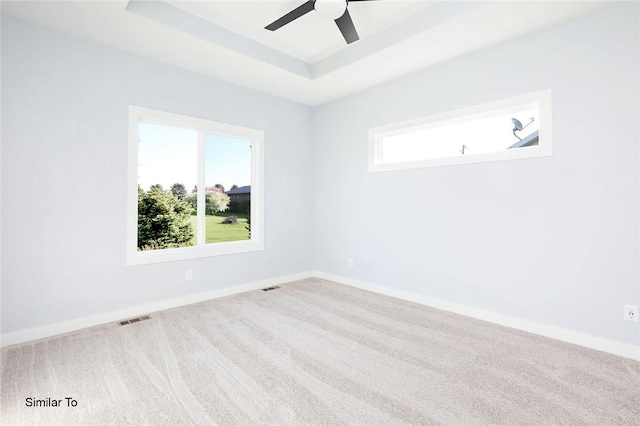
(307, 60)
(309, 38)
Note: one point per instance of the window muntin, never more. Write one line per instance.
(207, 159)
(477, 134)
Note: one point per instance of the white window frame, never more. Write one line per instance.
(541, 99)
(256, 243)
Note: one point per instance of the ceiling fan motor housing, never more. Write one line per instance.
(330, 9)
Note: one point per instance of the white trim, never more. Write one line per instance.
(542, 100)
(574, 337)
(194, 252)
(581, 339)
(55, 329)
(256, 243)
(201, 195)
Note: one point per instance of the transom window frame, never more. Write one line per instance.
(541, 99)
(139, 114)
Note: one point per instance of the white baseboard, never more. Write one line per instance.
(54, 329)
(581, 339)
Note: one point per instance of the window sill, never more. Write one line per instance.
(185, 253)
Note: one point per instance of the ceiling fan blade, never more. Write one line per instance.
(345, 24)
(291, 16)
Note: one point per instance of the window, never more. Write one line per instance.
(514, 128)
(195, 188)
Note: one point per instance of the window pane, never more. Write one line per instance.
(228, 186)
(476, 136)
(167, 178)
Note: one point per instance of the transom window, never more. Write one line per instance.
(513, 128)
(195, 187)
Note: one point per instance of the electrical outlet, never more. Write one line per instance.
(350, 262)
(631, 313)
(189, 274)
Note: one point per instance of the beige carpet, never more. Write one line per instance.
(315, 352)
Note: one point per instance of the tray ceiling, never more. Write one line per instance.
(307, 60)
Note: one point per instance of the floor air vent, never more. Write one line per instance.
(270, 288)
(132, 320)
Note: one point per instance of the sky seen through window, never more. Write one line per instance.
(168, 155)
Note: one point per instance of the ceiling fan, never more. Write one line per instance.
(330, 9)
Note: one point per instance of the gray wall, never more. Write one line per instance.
(552, 240)
(64, 178)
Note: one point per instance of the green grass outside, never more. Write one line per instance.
(217, 232)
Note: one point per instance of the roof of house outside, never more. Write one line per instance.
(532, 139)
(241, 190)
